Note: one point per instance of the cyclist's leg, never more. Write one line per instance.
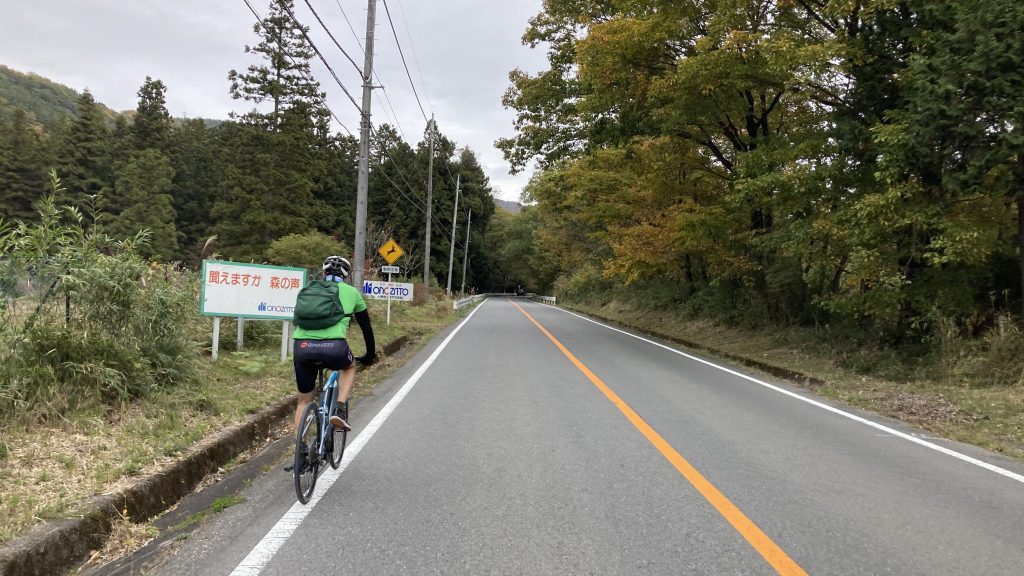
(346, 379)
(344, 363)
(306, 369)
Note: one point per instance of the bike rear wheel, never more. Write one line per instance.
(307, 459)
(339, 438)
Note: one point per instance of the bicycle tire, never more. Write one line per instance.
(307, 460)
(339, 439)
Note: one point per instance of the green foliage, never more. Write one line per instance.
(193, 154)
(509, 243)
(151, 124)
(305, 250)
(850, 164)
(84, 160)
(22, 172)
(100, 323)
(43, 101)
(282, 78)
(143, 189)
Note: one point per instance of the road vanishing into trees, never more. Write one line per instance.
(528, 440)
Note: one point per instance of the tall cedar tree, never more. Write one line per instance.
(151, 125)
(194, 154)
(83, 159)
(141, 197)
(22, 168)
(274, 166)
(144, 183)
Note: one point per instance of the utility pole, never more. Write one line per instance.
(430, 204)
(455, 217)
(465, 255)
(363, 182)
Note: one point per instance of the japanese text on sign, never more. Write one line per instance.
(250, 290)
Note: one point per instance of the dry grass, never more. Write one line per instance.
(125, 537)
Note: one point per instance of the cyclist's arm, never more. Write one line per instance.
(363, 318)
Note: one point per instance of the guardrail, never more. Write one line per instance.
(457, 304)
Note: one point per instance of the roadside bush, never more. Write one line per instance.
(587, 284)
(994, 360)
(305, 250)
(87, 319)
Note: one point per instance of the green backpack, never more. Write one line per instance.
(317, 306)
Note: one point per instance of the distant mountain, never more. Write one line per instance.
(508, 206)
(46, 101)
(43, 100)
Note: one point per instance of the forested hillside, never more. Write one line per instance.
(278, 171)
(851, 164)
(43, 101)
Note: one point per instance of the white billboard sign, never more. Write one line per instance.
(250, 290)
(376, 290)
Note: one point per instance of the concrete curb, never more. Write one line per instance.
(778, 371)
(56, 547)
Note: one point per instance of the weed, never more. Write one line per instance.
(219, 505)
(224, 502)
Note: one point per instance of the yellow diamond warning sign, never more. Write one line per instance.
(391, 251)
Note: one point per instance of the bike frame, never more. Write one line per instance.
(328, 404)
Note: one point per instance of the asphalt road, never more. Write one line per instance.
(510, 455)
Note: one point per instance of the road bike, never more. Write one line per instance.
(317, 440)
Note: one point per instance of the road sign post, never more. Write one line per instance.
(391, 252)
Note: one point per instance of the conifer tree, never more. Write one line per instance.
(145, 184)
(22, 174)
(83, 161)
(274, 166)
(194, 155)
(151, 126)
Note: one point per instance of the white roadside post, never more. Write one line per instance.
(216, 336)
(285, 332)
(241, 333)
(389, 270)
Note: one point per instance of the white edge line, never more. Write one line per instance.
(265, 549)
(854, 417)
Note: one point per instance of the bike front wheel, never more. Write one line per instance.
(339, 438)
(307, 459)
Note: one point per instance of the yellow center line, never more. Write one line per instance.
(764, 545)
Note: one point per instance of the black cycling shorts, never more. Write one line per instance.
(312, 355)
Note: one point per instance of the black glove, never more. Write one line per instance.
(367, 359)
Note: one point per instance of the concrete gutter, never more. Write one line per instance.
(56, 547)
(778, 371)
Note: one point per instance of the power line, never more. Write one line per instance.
(402, 54)
(323, 102)
(394, 115)
(352, 99)
(415, 59)
(320, 55)
(350, 27)
(326, 29)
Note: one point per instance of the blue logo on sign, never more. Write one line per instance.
(264, 307)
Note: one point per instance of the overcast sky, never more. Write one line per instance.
(460, 53)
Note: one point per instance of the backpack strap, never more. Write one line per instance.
(340, 303)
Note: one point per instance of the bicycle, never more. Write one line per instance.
(317, 440)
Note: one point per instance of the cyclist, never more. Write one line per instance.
(328, 348)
